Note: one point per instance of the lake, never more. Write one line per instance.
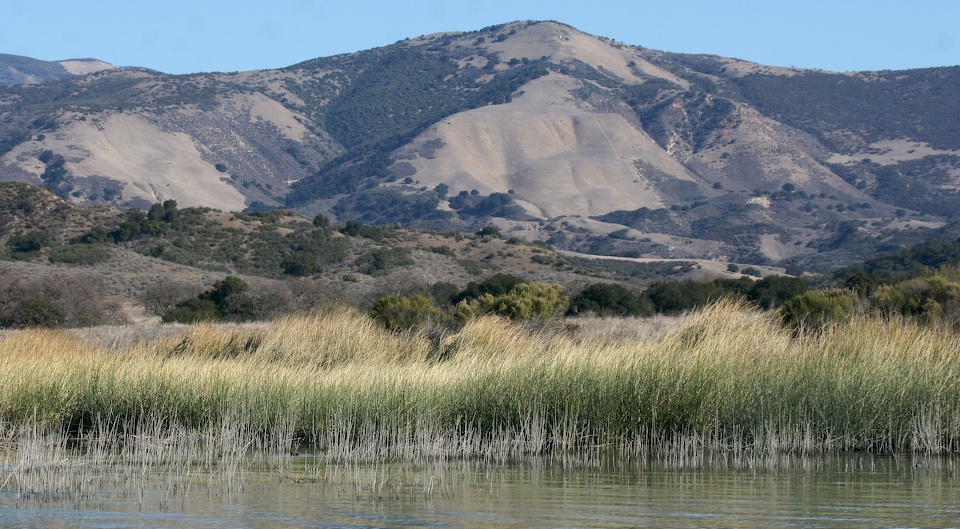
(857, 490)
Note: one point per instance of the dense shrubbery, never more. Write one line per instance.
(503, 295)
(932, 299)
(907, 263)
(29, 242)
(769, 292)
(815, 309)
(524, 302)
(924, 298)
(608, 299)
(399, 313)
(496, 285)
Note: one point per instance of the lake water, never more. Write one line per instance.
(825, 491)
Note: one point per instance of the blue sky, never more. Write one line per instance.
(180, 36)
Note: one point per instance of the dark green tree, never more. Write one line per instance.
(496, 285)
(37, 313)
(193, 310)
(773, 291)
(301, 264)
(608, 299)
(31, 241)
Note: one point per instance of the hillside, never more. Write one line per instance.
(549, 133)
(131, 259)
(19, 70)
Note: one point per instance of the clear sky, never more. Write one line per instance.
(184, 36)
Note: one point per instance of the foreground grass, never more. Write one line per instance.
(725, 379)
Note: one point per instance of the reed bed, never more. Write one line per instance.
(728, 379)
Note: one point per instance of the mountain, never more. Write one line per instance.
(19, 70)
(552, 134)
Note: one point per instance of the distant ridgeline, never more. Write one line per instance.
(687, 156)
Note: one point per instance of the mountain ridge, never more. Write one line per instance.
(17, 69)
(550, 133)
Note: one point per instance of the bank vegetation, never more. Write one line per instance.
(727, 378)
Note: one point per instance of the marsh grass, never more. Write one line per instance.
(727, 380)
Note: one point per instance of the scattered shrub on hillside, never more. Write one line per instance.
(359, 229)
(321, 221)
(79, 254)
(443, 250)
(382, 260)
(301, 264)
(489, 232)
(32, 241)
(136, 224)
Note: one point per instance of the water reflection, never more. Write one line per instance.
(307, 491)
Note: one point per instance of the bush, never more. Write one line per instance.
(37, 313)
(489, 232)
(922, 297)
(359, 229)
(444, 292)
(193, 310)
(607, 299)
(399, 313)
(443, 250)
(671, 297)
(382, 260)
(301, 264)
(815, 309)
(28, 242)
(526, 302)
(227, 300)
(496, 285)
(773, 291)
(80, 254)
(321, 221)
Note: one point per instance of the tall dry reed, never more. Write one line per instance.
(728, 378)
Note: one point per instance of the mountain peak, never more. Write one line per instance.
(19, 70)
(546, 131)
